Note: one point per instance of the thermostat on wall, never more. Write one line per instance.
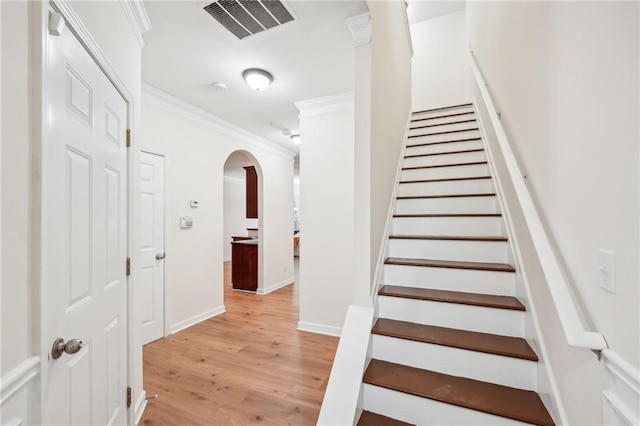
(194, 204)
(186, 222)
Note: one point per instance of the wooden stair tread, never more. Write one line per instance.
(443, 124)
(454, 264)
(504, 401)
(372, 419)
(466, 151)
(442, 108)
(417, 197)
(445, 179)
(449, 238)
(442, 116)
(446, 132)
(450, 215)
(435, 166)
(458, 297)
(494, 344)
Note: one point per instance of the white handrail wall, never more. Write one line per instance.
(574, 330)
(341, 405)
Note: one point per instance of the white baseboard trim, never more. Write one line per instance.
(196, 319)
(274, 287)
(18, 377)
(621, 396)
(141, 404)
(227, 259)
(327, 330)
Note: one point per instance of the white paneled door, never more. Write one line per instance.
(84, 247)
(150, 287)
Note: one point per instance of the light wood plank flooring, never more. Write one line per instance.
(247, 366)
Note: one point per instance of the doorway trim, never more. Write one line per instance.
(39, 15)
(166, 302)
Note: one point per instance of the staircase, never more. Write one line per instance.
(448, 345)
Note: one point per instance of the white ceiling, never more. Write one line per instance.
(421, 10)
(187, 51)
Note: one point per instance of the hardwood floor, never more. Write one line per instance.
(247, 366)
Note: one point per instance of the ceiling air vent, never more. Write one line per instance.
(247, 17)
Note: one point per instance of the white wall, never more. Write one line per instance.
(565, 78)
(326, 212)
(17, 324)
(194, 263)
(234, 215)
(20, 311)
(440, 73)
(390, 109)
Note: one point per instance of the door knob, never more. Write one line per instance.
(160, 256)
(71, 347)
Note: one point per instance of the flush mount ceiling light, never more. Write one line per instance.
(257, 79)
(296, 139)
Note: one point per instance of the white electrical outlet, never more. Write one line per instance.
(607, 270)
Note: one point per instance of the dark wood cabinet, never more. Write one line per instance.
(244, 264)
(252, 192)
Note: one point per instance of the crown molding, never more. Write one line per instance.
(326, 105)
(159, 99)
(360, 28)
(138, 18)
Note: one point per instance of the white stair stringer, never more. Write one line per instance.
(501, 370)
(424, 411)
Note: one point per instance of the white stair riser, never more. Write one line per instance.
(444, 126)
(445, 172)
(425, 412)
(443, 147)
(457, 226)
(466, 280)
(434, 160)
(502, 370)
(447, 205)
(427, 136)
(439, 113)
(504, 322)
(475, 186)
(469, 251)
(468, 116)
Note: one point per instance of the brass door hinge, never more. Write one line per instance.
(128, 396)
(128, 138)
(128, 266)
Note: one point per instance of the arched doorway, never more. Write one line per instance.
(242, 220)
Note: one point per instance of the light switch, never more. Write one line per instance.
(607, 270)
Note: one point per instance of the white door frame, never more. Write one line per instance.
(166, 330)
(40, 17)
